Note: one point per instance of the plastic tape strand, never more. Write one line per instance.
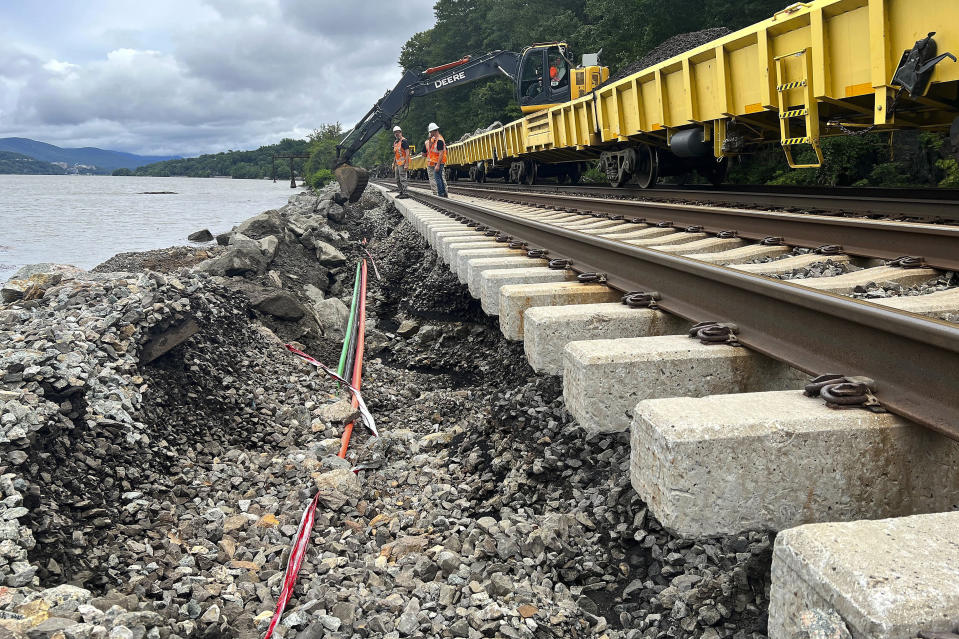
(294, 563)
(364, 411)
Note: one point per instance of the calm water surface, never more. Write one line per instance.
(84, 220)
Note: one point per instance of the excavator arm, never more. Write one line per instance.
(353, 179)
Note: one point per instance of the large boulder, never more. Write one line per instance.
(29, 288)
(201, 236)
(313, 293)
(68, 271)
(275, 302)
(338, 488)
(327, 254)
(332, 210)
(261, 225)
(323, 234)
(234, 261)
(303, 224)
(279, 304)
(268, 245)
(242, 256)
(332, 315)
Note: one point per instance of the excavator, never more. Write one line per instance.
(542, 73)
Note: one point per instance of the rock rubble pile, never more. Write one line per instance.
(155, 493)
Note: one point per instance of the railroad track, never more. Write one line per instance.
(934, 205)
(676, 336)
(812, 325)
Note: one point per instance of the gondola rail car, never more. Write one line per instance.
(814, 69)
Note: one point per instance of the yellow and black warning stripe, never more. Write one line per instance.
(791, 85)
(795, 113)
(795, 141)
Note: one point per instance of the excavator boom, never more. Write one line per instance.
(352, 179)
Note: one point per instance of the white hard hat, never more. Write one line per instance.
(432, 127)
(396, 128)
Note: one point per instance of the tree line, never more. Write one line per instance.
(20, 164)
(255, 164)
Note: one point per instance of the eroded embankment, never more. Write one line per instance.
(166, 494)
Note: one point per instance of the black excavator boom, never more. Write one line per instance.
(352, 179)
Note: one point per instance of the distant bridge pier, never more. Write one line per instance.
(291, 157)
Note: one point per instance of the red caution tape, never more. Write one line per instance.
(361, 405)
(294, 563)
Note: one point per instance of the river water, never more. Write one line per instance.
(84, 220)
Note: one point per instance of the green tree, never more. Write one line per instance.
(322, 149)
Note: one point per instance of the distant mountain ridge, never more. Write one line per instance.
(101, 158)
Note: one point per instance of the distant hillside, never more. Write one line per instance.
(105, 161)
(20, 164)
(238, 164)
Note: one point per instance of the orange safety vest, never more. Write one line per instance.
(432, 155)
(401, 155)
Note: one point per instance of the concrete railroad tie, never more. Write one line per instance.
(721, 440)
(516, 299)
(722, 464)
(888, 579)
(547, 330)
(604, 379)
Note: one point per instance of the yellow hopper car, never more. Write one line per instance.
(814, 69)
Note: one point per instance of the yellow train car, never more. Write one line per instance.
(417, 166)
(814, 69)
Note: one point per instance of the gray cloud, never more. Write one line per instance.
(244, 73)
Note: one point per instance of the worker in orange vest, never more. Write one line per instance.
(401, 161)
(429, 171)
(436, 158)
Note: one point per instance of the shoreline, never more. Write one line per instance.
(85, 222)
(159, 498)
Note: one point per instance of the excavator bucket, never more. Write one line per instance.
(352, 180)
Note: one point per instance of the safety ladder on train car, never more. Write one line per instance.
(788, 113)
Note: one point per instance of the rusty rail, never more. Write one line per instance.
(914, 360)
(937, 244)
(925, 203)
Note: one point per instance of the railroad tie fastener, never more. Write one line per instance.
(843, 392)
(641, 299)
(715, 333)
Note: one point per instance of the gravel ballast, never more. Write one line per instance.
(160, 499)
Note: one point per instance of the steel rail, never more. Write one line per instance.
(914, 360)
(937, 244)
(918, 203)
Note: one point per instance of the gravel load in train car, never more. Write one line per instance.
(673, 46)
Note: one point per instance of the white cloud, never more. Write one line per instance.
(238, 74)
(59, 68)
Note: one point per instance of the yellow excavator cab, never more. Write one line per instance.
(547, 77)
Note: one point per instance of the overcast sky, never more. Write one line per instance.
(195, 76)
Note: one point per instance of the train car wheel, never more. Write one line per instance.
(529, 178)
(718, 172)
(647, 167)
